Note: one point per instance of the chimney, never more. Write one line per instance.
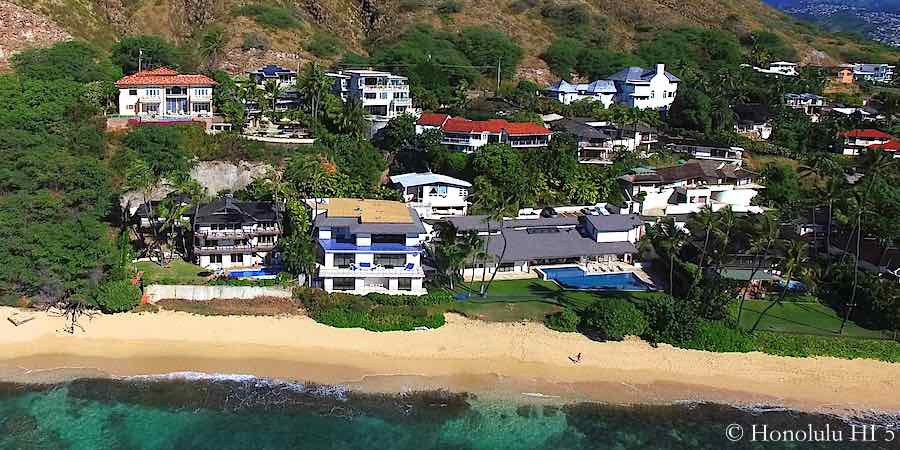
(660, 69)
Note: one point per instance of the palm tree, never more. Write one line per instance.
(666, 236)
(272, 90)
(352, 119)
(874, 165)
(212, 45)
(766, 236)
(497, 215)
(707, 220)
(796, 256)
(315, 84)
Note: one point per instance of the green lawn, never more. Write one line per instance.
(515, 300)
(799, 318)
(178, 272)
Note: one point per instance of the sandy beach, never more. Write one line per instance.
(465, 355)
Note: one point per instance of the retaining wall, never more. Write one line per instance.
(157, 292)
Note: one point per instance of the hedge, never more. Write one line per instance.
(374, 312)
(118, 296)
(614, 319)
(565, 321)
(838, 347)
(718, 336)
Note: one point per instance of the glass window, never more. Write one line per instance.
(237, 258)
(215, 258)
(344, 284)
(132, 92)
(370, 95)
(390, 261)
(404, 284)
(343, 260)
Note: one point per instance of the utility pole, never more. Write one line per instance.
(140, 58)
(498, 77)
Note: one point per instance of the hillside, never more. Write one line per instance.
(293, 27)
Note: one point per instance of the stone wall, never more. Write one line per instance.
(157, 292)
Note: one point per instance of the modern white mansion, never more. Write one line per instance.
(369, 246)
(633, 87)
(434, 195)
(165, 92)
(383, 95)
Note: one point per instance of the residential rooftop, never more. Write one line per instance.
(164, 76)
(427, 178)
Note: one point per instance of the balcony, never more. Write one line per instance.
(224, 234)
(458, 141)
(529, 142)
(376, 272)
(234, 249)
(333, 245)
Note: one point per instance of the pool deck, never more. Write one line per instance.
(604, 269)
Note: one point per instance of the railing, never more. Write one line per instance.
(332, 272)
(528, 142)
(451, 140)
(233, 248)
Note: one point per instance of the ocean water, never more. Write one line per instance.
(199, 412)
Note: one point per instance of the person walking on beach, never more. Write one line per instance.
(578, 358)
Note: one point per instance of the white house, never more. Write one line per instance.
(645, 89)
(461, 134)
(596, 235)
(878, 73)
(271, 72)
(780, 68)
(369, 246)
(712, 152)
(683, 189)
(855, 142)
(598, 142)
(383, 95)
(753, 121)
(433, 195)
(164, 92)
(603, 91)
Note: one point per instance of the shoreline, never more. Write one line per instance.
(489, 360)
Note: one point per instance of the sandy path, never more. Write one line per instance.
(463, 355)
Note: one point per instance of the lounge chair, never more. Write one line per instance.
(365, 266)
(353, 266)
(410, 266)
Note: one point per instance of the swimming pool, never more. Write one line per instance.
(265, 273)
(576, 278)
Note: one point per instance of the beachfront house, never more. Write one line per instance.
(368, 246)
(164, 92)
(753, 121)
(685, 189)
(710, 151)
(603, 91)
(855, 142)
(876, 73)
(641, 88)
(464, 135)
(594, 235)
(229, 233)
(383, 95)
(433, 195)
(811, 104)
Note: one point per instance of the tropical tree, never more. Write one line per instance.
(668, 239)
(352, 119)
(764, 236)
(315, 84)
(212, 46)
(795, 258)
(272, 90)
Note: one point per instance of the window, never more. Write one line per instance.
(371, 95)
(404, 284)
(343, 260)
(344, 284)
(463, 193)
(130, 107)
(132, 92)
(507, 267)
(267, 239)
(200, 107)
(215, 259)
(202, 92)
(390, 261)
(384, 95)
(237, 258)
(153, 92)
(439, 191)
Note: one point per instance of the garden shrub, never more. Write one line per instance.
(668, 320)
(118, 296)
(838, 347)
(324, 45)
(269, 16)
(565, 321)
(614, 319)
(449, 7)
(719, 336)
(375, 312)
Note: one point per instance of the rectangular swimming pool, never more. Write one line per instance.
(265, 273)
(578, 279)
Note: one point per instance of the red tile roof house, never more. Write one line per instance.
(165, 93)
(892, 147)
(466, 135)
(856, 141)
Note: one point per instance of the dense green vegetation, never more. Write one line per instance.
(273, 17)
(374, 312)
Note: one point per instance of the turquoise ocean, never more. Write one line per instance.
(235, 412)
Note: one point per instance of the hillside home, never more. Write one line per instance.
(369, 246)
(811, 104)
(865, 113)
(461, 134)
(229, 233)
(753, 121)
(433, 195)
(383, 95)
(780, 68)
(271, 72)
(892, 147)
(645, 88)
(602, 91)
(597, 236)
(876, 73)
(699, 150)
(164, 92)
(598, 142)
(855, 142)
(686, 188)
(845, 75)
(288, 95)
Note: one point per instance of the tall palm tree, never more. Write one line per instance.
(670, 238)
(497, 215)
(352, 119)
(212, 45)
(795, 257)
(272, 90)
(315, 84)
(765, 237)
(705, 219)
